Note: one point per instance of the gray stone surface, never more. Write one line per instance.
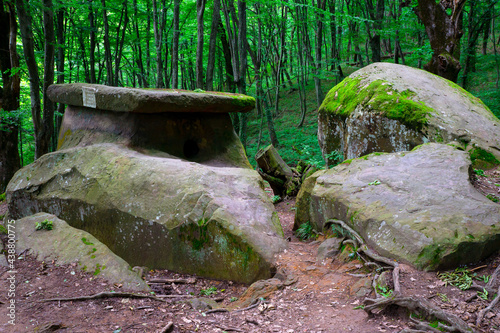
(103, 97)
(68, 245)
(159, 212)
(385, 107)
(329, 248)
(417, 207)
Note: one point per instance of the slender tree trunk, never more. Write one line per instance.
(93, 30)
(200, 10)
(140, 64)
(45, 137)
(107, 46)
(319, 44)
(9, 154)
(60, 69)
(122, 28)
(158, 33)
(227, 58)
(26, 30)
(216, 18)
(242, 50)
(175, 46)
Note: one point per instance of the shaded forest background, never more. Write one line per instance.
(285, 53)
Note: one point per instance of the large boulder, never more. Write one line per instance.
(68, 245)
(385, 107)
(417, 207)
(157, 212)
(159, 177)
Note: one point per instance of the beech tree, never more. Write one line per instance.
(9, 95)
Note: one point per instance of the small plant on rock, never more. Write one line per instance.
(480, 172)
(47, 225)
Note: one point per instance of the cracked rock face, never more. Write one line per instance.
(160, 180)
(417, 207)
(385, 107)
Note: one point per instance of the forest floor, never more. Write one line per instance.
(322, 296)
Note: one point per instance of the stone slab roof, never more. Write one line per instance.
(118, 99)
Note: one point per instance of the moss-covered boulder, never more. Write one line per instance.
(68, 245)
(417, 207)
(157, 212)
(385, 107)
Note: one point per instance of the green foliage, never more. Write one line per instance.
(209, 291)
(46, 224)
(443, 297)
(493, 197)
(3, 230)
(479, 172)
(338, 231)
(384, 291)
(86, 242)
(375, 182)
(2, 197)
(275, 199)
(305, 231)
(460, 278)
(483, 294)
(334, 158)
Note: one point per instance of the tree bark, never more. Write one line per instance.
(200, 10)
(175, 46)
(60, 68)
(26, 30)
(242, 50)
(44, 138)
(319, 43)
(93, 42)
(121, 28)
(9, 98)
(158, 43)
(216, 18)
(142, 75)
(444, 31)
(107, 46)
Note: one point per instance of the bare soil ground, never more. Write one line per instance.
(324, 296)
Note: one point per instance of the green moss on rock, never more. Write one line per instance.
(482, 159)
(379, 96)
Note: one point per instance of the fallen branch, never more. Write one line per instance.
(103, 295)
(178, 281)
(174, 296)
(484, 311)
(230, 329)
(423, 306)
(167, 329)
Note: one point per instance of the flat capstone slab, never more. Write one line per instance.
(118, 99)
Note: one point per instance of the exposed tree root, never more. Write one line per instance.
(103, 295)
(483, 312)
(167, 281)
(168, 328)
(425, 308)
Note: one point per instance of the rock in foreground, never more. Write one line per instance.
(417, 207)
(68, 245)
(385, 107)
(157, 212)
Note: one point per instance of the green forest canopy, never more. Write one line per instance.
(287, 54)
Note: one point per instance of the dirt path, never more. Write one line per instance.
(322, 298)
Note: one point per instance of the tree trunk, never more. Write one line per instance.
(122, 28)
(212, 43)
(444, 31)
(45, 137)
(319, 43)
(26, 30)
(242, 50)
(200, 10)
(158, 43)
(175, 46)
(9, 98)
(142, 75)
(93, 42)
(60, 69)
(107, 46)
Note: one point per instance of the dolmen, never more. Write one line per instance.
(159, 177)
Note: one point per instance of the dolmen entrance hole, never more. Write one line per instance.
(194, 126)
